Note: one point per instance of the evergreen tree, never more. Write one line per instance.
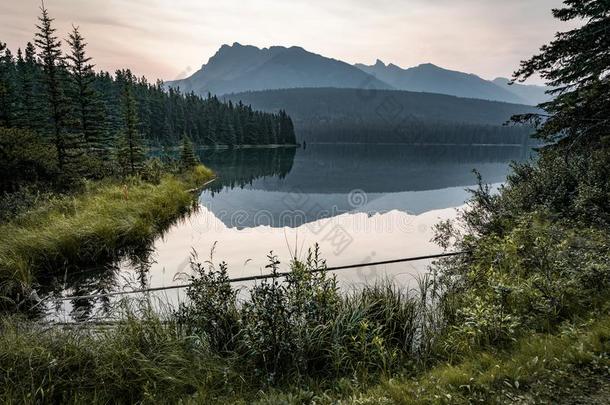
(577, 65)
(52, 64)
(130, 148)
(79, 110)
(188, 158)
(7, 87)
(29, 111)
(286, 129)
(86, 103)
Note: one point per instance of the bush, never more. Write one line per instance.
(530, 279)
(302, 327)
(212, 309)
(25, 158)
(573, 186)
(200, 174)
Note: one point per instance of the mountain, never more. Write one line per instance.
(430, 78)
(390, 116)
(533, 94)
(239, 68)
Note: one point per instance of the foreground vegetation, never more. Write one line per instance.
(301, 341)
(570, 366)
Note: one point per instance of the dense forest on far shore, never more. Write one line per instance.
(390, 116)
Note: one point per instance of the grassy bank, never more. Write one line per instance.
(144, 359)
(104, 220)
(547, 368)
(567, 367)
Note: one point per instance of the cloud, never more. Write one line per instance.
(159, 38)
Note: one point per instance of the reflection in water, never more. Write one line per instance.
(92, 281)
(330, 180)
(240, 167)
(361, 203)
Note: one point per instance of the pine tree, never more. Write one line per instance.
(576, 64)
(87, 108)
(130, 149)
(52, 64)
(188, 158)
(29, 111)
(286, 129)
(7, 88)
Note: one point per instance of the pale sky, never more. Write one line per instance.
(170, 39)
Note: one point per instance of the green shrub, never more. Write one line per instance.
(25, 158)
(212, 310)
(529, 278)
(302, 327)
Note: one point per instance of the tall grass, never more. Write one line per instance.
(102, 222)
(293, 332)
(303, 327)
(541, 368)
(140, 360)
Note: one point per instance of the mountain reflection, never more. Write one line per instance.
(287, 187)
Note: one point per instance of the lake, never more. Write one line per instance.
(360, 203)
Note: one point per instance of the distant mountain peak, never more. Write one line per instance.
(237, 68)
(429, 65)
(379, 63)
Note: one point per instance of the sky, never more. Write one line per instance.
(168, 39)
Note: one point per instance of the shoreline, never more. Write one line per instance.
(105, 221)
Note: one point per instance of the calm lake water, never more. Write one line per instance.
(360, 203)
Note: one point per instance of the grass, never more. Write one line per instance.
(214, 349)
(570, 365)
(95, 225)
(302, 341)
(299, 341)
(134, 362)
(526, 373)
(146, 360)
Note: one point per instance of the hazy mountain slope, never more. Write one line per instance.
(353, 115)
(532, 93)
(240, 68)
(433, 79)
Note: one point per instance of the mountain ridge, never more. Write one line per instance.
(430, 78)
(240, 68)
(237, 68)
